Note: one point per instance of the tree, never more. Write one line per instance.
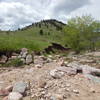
(80, 33)
(41, 32)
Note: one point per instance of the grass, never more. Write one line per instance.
(29, 38)
(14, 62)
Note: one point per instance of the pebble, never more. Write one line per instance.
(76, 91)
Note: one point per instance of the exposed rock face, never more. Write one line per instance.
(15, 96)
(20, 87)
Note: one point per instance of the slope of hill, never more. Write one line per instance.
(34, 37)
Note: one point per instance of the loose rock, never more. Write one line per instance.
(29, 59)
(20, 87)
(4, 92)
(15, 96)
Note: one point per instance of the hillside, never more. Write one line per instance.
(34, 37)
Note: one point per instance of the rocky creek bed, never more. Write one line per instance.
(53, 78)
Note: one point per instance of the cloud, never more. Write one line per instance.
(67, 6)
(18, 13)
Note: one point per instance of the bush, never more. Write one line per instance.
(81, 33)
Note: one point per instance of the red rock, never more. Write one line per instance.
(4, 92)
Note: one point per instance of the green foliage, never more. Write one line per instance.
(41, 32)
(81, 33)
(14, 63)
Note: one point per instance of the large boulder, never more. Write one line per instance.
(20, 87)
(15, 96)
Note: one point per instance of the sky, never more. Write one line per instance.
(15, 14)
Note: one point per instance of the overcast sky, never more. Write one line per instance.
(19, 13)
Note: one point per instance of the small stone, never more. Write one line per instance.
(59, 97)
(56, 74)
(56, 97)
(92, 90)
(49, 60)
(76, 91)
(64, 63)
(38, 65)
(15, 96)
(53, 98)
(13, 57)
(20, 87)
(15, 54)
(68, 85)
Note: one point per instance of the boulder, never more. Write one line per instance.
(3, 59)
(15, 96)
(20, 87)
(23, 60)
(68, 70)
(24, 52)
(56, 74)
(29, 59)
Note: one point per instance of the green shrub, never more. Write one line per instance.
(14, 63)
(81, 34)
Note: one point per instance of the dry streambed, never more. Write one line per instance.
(52, 79)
